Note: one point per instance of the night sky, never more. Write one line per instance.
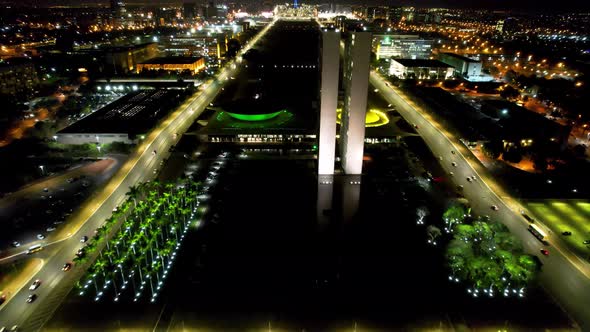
(532, 5)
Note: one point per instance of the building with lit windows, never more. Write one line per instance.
(18, 77)
(464, 66)
(200, 44)
(173, 63)
(386, 46)
(124, 59)
(118, 12)
(420, 69)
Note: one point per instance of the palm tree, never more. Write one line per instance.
(100, 266)
(133, 193)
(156, 268)
(164, 252)
(120, 262)
(110, 253)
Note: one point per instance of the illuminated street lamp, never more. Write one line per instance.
(42, 169)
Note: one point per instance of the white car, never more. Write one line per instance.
(495, 208)
(50, 229)
(454, 164)
(40, 236)
(35, 285)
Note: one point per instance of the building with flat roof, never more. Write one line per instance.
(420, 69)
(124, 59)
(388, 46)
(464, 66)
(173, 63)
(125, 119)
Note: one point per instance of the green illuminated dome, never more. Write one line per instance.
(252, 110)
(254, 117)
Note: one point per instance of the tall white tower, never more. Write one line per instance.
(328, 101)
(357, 56)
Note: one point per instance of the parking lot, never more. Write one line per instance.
(566, 216)
(35, 212)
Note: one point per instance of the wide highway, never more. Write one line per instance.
(139, 168)
(563, 275)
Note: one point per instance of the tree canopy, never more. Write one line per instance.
(485, 254)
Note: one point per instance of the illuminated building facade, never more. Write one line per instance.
(401, 46)
(328, 101)
(420, 69)
(464, 66)
(356, 84)
(194, 64)
(124, 59)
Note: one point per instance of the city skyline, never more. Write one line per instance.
(523, 5)
(315, 167)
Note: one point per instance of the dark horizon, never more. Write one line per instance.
(523, 5)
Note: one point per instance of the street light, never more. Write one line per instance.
(42, 169)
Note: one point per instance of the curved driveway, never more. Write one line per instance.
(139, 167)
(563, 274)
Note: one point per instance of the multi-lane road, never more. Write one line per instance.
(139, 167)
(563, 275)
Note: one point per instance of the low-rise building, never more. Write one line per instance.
(388, 46)
(125, 119)
(464, 66)
(420, 69)
(124, 59)
(173, 63)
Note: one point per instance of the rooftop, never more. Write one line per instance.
(421, 63)
(464, 58)
(134, 113)
(172, 60)
(126, 47)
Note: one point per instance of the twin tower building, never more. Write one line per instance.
(355, 54)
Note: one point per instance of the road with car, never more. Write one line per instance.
(139, 167)
(563, 275)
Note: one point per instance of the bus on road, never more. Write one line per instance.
(538, 233)
(34, 249)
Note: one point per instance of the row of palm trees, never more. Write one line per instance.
(151, 224)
